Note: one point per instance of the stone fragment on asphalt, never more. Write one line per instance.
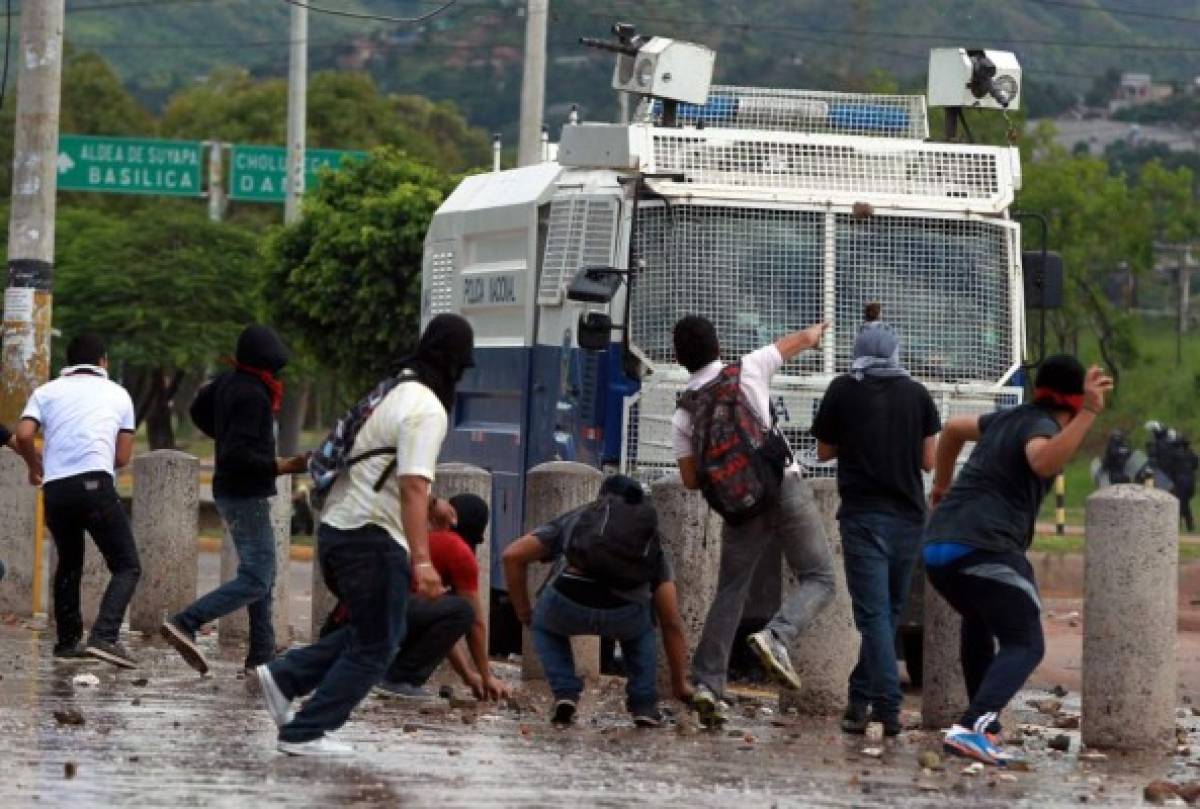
(1061, 743)
(69, 716)
(1159, 792)
(69, 769)
(929, 760)
(973, 769)
(1050, 707)
(85, 680)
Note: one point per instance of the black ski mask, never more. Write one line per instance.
(444, 352)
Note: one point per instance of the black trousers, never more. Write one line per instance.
(996, 595)
(431, 630)
(434, 626)
(89, 503)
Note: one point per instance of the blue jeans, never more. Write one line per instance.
(879, 551)
(249, 523)
(368, 571)
(556, 618)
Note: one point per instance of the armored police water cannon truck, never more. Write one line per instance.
(761, 209)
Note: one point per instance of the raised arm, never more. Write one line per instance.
(1048, 456)
(792, 345)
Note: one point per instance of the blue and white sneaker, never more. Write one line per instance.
(973, 745)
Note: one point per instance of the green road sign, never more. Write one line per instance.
(129, 165)
(259, 173)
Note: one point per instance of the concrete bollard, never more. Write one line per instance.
(691, 535)
(827, 651)
(1131, 569)
(166, 514)
(552, 489)
(18, 520)
(943, 690)
(234, 629)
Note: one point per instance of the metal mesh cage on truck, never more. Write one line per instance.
(947, 284)
(839, 170)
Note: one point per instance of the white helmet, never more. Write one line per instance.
(1154, 427)
(1172, 435)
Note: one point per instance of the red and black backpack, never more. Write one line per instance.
(739, 458)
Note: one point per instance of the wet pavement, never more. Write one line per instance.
(162, 736)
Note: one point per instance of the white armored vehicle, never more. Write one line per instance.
(763, 210)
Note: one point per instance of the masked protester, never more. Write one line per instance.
(372, 542)
(238, 410)
(881, 426)
(982, 527)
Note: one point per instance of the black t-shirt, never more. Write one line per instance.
(5, 435)
(994, 502)
(879, 427)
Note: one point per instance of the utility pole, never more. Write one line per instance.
(27, 296)
(217, 196)
(297, 112)
(295, 399)
(533, 83)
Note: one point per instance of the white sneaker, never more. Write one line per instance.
(323, 746)
(278, 706)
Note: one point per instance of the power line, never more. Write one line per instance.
(379, 17)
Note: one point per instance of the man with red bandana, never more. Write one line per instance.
(981, 528)
(238, 410)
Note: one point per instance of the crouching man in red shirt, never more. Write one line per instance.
(435, 626)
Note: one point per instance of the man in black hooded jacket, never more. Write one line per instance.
(238, 410)
(372, 541)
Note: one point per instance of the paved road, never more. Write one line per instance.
(175, 740)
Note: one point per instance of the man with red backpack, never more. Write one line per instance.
(727, 446)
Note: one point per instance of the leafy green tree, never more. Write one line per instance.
(168, 289)
(345, 280)
(345, 111)
(1099, 225)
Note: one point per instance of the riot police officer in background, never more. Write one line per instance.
(1182, 469)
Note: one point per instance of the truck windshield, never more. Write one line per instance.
(945, 284)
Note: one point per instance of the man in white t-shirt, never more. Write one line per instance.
(372, 539)
(792, 521)
(88, 423)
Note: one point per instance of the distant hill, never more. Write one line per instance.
(472, 54)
